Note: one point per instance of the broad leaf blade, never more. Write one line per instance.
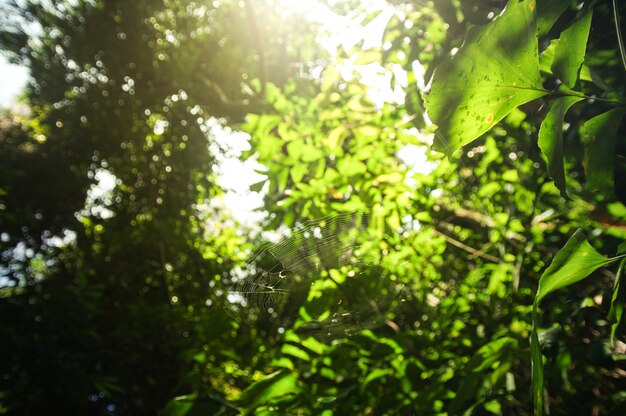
(537, 366)
(619, 297)
(599, 135)
(547, 14)
(273, 387)
(571, 264)
(570, 51)
(551, 140)
(495, 351)
(617, 302)
(496, 70)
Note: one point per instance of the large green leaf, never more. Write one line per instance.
(490, 353)
(547, 14)
(619, 296)
(570, 51)
(571, 264)
(599, 135)
(551, 140)
(617, 302)
(536, 360)
(496, 70)
(273, 387)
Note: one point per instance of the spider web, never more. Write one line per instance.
(324, 277)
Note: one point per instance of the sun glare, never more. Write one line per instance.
(339, 31)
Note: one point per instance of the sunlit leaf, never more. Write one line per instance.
(599, 135)
(368, 131)
(551, 140)
(296, 352)
(336, 136)
(570, 50)
(349, 166)
(367, 57)
(496, 70)
(272, 387)
(374, 375)
(295, 149)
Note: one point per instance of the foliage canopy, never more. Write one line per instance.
(452, 234)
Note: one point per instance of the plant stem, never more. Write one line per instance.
(618, 29)
(586, 97)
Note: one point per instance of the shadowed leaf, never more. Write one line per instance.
(599, 135)
(551, 140)
(570, 51)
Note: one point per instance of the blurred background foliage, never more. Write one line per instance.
(118, 246)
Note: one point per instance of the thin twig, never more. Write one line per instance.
(467, 248)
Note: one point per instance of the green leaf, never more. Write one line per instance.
(296, 352)
(295, 149)
(547, 14)
(598, 136)
(551, 140)
(336, 136)
(547, 57)
(260, 125)
(495, 71)
(192, 405)
(298, 171)
(374, 375)
(571, 264)
(537, 367)
(274, 386)
(617, 301)
(393, 220)
(498, 350)
(570, 51)
(367, 57)
(311, 153)
(348, 166)
(258, 186)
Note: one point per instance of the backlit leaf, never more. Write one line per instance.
(571, 264)
(496, 70)
(272, 387)
(547, 14)
(551, 140)
(570, 50)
